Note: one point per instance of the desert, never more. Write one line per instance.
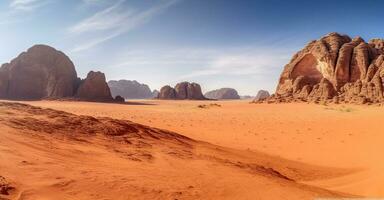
(73, 140)
(187, 100)
(240, 154)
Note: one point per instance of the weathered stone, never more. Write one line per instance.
(334, 67)
(167, 92)
(41, 72)
(94, 88)
(183, 90)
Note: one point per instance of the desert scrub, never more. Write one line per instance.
(209, 105)
(341, 109)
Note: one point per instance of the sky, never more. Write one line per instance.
(243, 44)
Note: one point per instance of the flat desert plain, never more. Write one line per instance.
(157, 149)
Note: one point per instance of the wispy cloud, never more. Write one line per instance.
(246, 68)
(18, 9)
(104, 20)
(26, 5)
(114, 21)
(205, 62)
(243, 62)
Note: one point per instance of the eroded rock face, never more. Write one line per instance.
(167, 92)
(40, 72)
(334, 68)
(130, 89)
(223, 93)
(183, 90)
(94, 88)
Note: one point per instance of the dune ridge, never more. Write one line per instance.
(40, 141)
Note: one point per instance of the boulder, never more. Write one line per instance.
(119, 99)
(94, 88)
(223, 93)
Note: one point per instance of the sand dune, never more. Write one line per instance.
(50, 154)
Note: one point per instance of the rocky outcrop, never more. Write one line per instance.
(334, 68)
(223, 93)
(94, 88)
(261, 95)
(183, 90)
(130, 89)
(42, 72)
(167, 92)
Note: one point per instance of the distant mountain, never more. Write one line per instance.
(247, 97)
(155, 93)
(130, 89)
(223, 93)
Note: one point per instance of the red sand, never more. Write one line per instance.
(341, 139)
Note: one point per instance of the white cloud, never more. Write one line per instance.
(106, 19)
(18, 9)
(245, 68)
(242, 62)
(26, 5)
(115, 21)
(205, 62)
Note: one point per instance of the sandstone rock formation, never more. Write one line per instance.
(43, 72)
(223, 93)
(94, 88)
(334, 68)
(183, 90)
(130, 89)
(261, 95)
(167, 92)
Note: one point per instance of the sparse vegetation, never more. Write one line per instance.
(341, 109)
(209, 105)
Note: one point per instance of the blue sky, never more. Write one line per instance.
(242, 44)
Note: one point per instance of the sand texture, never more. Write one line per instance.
(157, 149)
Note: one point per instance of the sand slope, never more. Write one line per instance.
(50, 154)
